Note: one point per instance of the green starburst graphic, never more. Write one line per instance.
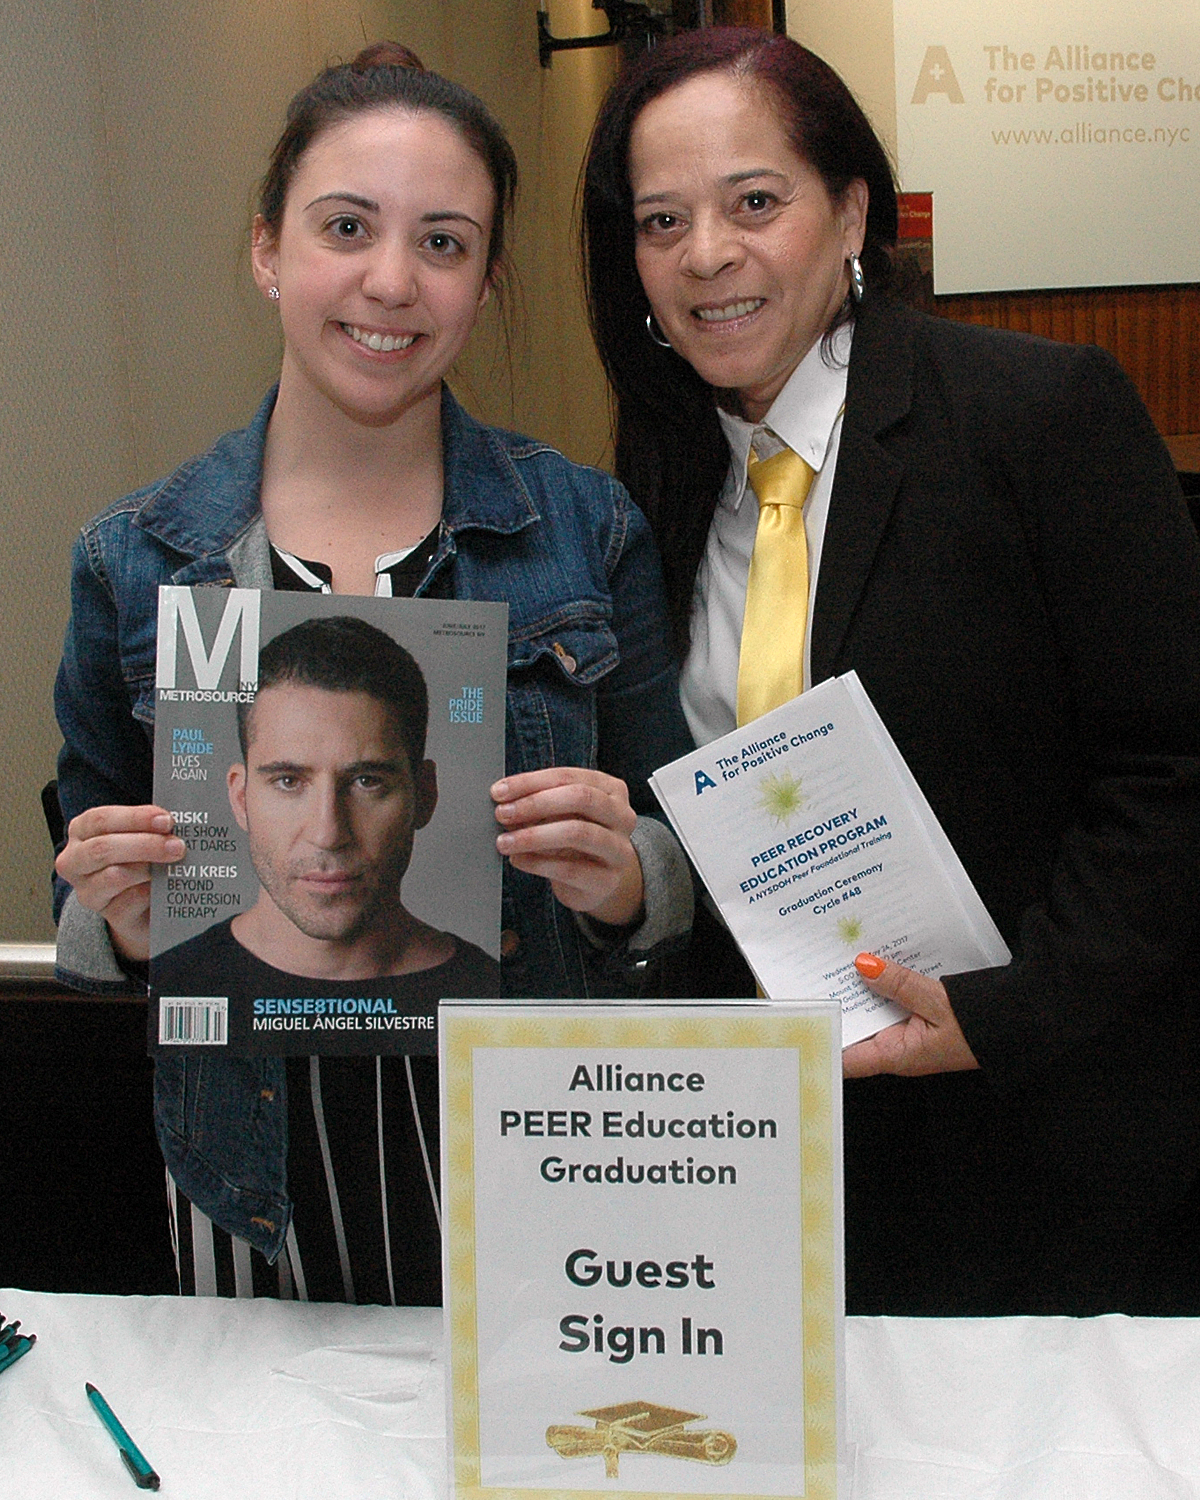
(849, 929)
(781, 796)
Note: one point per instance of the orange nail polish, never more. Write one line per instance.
(869, 966)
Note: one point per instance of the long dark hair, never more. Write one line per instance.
(670, 451)
(388, 75)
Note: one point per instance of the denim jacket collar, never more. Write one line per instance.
(483, 487)
(207, 504)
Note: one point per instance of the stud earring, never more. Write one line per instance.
(272, 294)
(858, 284)
(655, 332)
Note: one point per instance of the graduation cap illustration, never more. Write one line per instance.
(641, 1427)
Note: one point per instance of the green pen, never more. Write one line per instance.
(12, 1349)
(143, 1475)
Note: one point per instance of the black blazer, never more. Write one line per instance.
(1009, 567)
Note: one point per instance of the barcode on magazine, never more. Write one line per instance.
(194, 1021)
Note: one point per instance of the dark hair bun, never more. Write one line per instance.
(387, 75)
(386, 55)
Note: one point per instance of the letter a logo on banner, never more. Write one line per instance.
(937, 77)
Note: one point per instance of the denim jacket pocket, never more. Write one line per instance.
(579, 646)
(142, 700)
(222, 1127)
(553, 672)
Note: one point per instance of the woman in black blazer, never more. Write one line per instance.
(998, 546)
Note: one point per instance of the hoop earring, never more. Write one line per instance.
(655, 332)
(858, 283)
(272, 294)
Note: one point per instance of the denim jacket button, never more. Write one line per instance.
(564, 656)
(509, 943)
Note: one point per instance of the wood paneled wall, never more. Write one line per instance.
(1153, 331)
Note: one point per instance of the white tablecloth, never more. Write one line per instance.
(269, 1400)
(1023, 1408)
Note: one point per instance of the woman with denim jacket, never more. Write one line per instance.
(379, 237)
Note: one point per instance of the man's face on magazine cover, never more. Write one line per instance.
(330, 804)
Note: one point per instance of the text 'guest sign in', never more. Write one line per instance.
(642, 1248)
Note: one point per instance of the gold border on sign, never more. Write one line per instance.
(810, 1037)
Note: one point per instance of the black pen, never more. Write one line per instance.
(143, 1475)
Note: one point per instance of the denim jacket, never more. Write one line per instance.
(591, 682)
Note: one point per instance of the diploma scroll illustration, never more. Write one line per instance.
(640, 1427)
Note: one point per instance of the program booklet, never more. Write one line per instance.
(327, 760)
(816, 844)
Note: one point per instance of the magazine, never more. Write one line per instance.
(816, 844)
(327, 760)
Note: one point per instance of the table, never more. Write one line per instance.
(320, 1402)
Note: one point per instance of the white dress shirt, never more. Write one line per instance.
(806, 416)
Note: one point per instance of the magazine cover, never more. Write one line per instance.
(327, 760)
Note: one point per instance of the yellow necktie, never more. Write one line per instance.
(771, 664)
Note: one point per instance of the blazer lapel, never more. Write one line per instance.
(878, 394)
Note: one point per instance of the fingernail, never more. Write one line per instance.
(177, 846)
(162, 823)
(869, 966)
(500, 790)
(504, 842)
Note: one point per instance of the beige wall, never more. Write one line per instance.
(129, 147)
(856, 40)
